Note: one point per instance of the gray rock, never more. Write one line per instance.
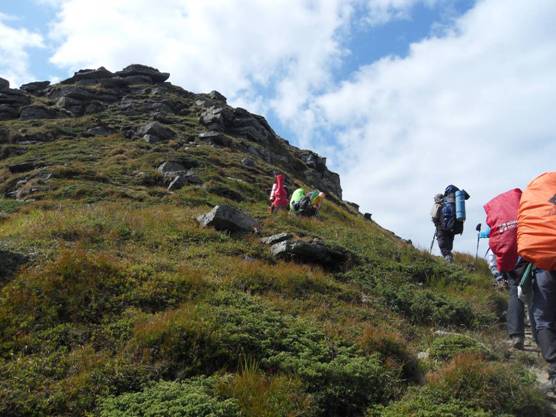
(171, 168)
(280, 237)
(227, 218)
(100, 131)
(217, 117)
(8, 112)
(94, 107)
(368, 216)
(423, 356)
(22, 167)
(184, 179)
(4, 84)
(215, 95)
(352, 205)
(89, 74)
(137, 69)
(155, 132)
(14, 97)
(215, 138)
(35, 87)
(73, 106)
(248, 162)
(315, 252)
(37, 112)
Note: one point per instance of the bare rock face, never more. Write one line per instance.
(4, 84)
(35, 88)
(37, 112)
(229, 219)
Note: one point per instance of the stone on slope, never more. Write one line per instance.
(224, 217)
(155, 132)
(248, 163)
(277, 238)
(184, 179)
(215, 138)
(8, 112)
(171, 168)
(315, 252)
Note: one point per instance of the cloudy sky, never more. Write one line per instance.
(403, 96)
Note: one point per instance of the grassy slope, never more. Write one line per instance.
(128, 307)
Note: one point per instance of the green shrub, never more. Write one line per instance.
(446, 347)
(193, 398)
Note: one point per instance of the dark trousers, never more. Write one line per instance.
(516, 310)
(445, 241)
(544, 311)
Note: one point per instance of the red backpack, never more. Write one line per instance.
(502, 218)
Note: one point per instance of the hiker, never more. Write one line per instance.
(502, 212)
(448, 215)
(278, 194)
(536, 242)
(306, 204)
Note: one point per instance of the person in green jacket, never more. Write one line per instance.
(306, 204)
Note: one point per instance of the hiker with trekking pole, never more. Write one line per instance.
(448, 216)
(505, 263)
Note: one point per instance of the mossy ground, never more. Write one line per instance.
(129, 308)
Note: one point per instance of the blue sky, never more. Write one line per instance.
(402, 96)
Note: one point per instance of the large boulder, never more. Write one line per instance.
(144, 71)
(215, 138)
(14, 97)
(314, 252)
(8, 112)
(277, 238)
(35, 87)
(227, 218)
(155, 132)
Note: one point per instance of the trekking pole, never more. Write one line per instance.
(478, 229)
(432, 243)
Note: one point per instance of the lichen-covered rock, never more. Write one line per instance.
(315, 252)
(228, 218)
(37, 112)
(215, 138)
(89, 74)
(277, 238)
(35, 87)
(184, 179)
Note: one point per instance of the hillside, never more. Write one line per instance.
(115, 302)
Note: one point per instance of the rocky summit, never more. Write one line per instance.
(139, 104)
(142, 274)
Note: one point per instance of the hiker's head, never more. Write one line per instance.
(438, 198)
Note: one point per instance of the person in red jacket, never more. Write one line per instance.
(278, 194)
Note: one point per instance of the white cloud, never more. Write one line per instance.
(286, 48)
(383, 11)
(473, 107)
(14, 55)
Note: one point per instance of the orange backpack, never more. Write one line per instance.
(536, 230)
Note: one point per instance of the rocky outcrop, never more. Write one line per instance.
(277, 238)
(4, 84)
(229, 219)
(139, 90)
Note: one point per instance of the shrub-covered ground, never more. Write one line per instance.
(126, 307)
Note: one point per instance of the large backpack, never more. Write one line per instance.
(501, 214)
(536, 232)
(448, 221)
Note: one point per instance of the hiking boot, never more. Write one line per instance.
(516, 342)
